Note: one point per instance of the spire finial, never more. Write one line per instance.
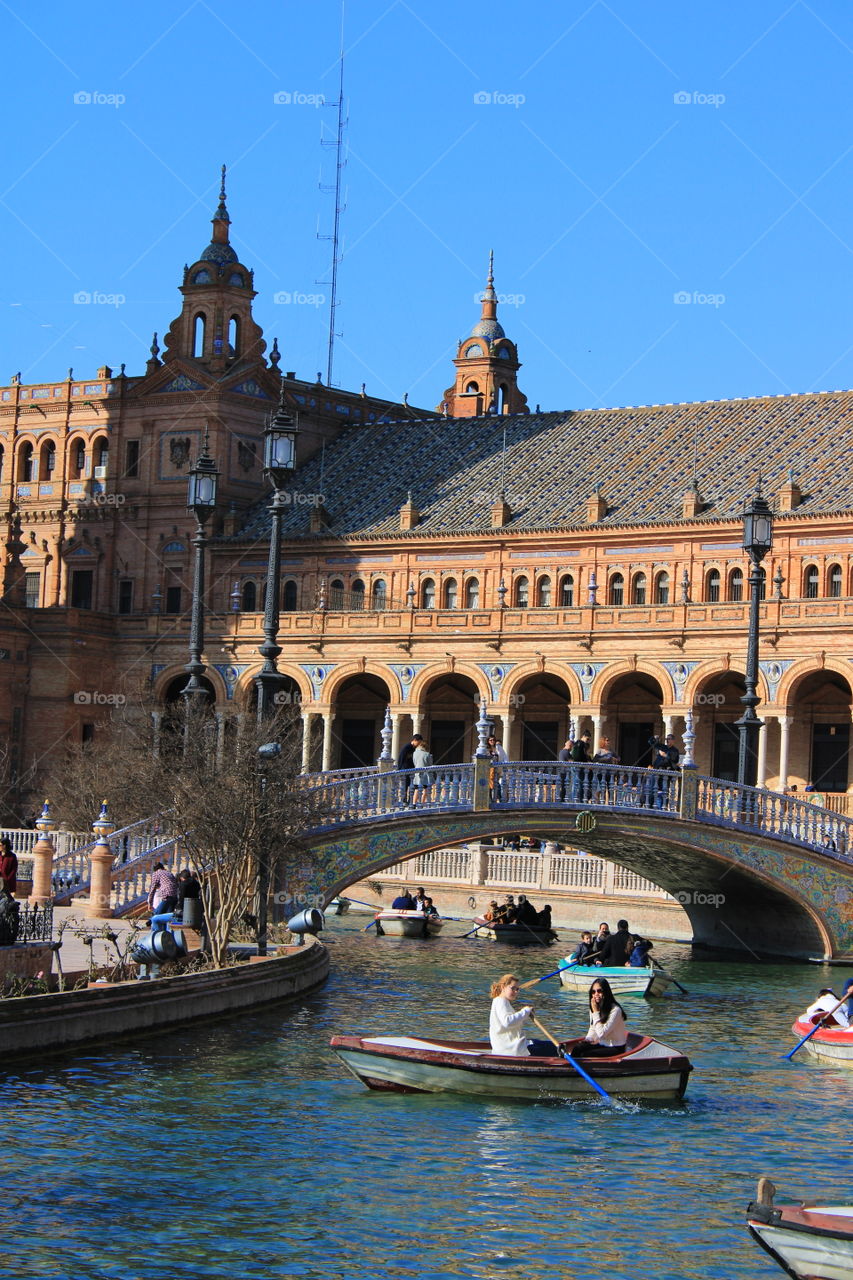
(222, 185)
(491, 280)
(489, 297)
(221, 214)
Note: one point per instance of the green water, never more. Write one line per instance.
(245, 1149)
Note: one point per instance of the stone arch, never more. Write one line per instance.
(356, 716)
(345, 670)
(601, 686)
(707, 670)
(245, 687)
(804, 667)
(422, 681)
(166, 678)
(632, 698)
(512, 682)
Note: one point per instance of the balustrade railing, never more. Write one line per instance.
(454, 865)
(548, 783)
(772, 814)
(375, 794)
(508, 868)
(142, 842)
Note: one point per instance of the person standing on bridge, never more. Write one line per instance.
(406, 760)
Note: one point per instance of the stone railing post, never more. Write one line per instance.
(545, 863)
(481, 870)
(608, 887)
(43, 854)
(99, 906)
(689, 794)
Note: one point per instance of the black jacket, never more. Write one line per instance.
(580, 752)
(406, 758)
(617, 948)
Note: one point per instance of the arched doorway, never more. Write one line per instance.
(718, 708)
(632, 715)
(820, 738)
(360, 713)
(451, 707)
(542, 715)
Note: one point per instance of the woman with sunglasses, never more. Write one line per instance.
(607, 1035)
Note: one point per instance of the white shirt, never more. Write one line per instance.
(504, 1028)
(611, 1033)
(824, 1004)
(499, 754)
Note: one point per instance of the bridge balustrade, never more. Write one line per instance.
(376, 794)
(546, 783)
(771, 814)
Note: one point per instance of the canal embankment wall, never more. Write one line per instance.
(35, 1025)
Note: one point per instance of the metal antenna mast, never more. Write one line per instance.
(340, 163)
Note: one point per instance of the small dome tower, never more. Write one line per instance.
(486, 366)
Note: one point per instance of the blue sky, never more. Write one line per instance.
(666, 187)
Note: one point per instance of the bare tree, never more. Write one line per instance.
(241, 814)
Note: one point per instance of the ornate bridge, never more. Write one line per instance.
(756, 871)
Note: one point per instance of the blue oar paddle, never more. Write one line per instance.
(574, 1063)
(533, 981)
(817, 1026)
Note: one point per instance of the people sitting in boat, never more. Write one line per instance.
(826, 1004)
(584, 948)
(848, 1008)
(404, 901)
(428, 908)
(543, 917)
(525, 912)
(506, 1024)
(618, 946)
(600, 939)
(420, 899)
(607, 1033)
(639, 957)
(493, 914)
(508, 910)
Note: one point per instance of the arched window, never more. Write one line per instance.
(26, 464)
(428, 593)
(451, 594)
(47, 462)
(616, 590)
(336, 594)
(201, 277)
(101, 454)
(379, 593)
(472, 388)
(543, 592)
(638, 589)
(736, 585)
(522, 592)
(358, 594)
(567, 591)
(834, 580)
(503, 393)
(662, 588)
(472, 593)
(234, 336)
(199, 326)
(250, 597)
(288, 599)
(811, 582)
(712, 586)
(78, 459)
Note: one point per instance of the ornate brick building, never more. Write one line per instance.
(583, 564)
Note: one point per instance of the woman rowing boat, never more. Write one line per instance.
(506, 1024)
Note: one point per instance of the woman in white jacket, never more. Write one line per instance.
(607, 1035)
(506, 1024)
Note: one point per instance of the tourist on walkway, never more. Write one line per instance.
(422, 779)
(564, 756)
(498, 757)
(163, 894)
(581, 755)
(405, 760)
(605, 782)
(607, 1033)
(8, 866)
(665, 756)
(189, 889)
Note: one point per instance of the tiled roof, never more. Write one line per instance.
(642, 458)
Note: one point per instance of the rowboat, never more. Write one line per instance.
(830, 1044)
(811, 1241)
(341, 905)
(647, 981)
(517, 935)
(407, 924)
(406, 1064)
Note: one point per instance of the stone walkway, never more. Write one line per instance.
(72, 924)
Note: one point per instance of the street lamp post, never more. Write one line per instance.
(201, 499)
(279, 454)
(757, 541)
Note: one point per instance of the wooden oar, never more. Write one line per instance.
(573, 1062)
(533, 981)
(817, 1026)
(683, 990)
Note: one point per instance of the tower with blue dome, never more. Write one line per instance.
(487, 365)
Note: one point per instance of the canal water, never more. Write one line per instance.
(244, 1149)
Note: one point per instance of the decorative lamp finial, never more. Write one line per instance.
(386, 734)
(689, 737)
(483, 726)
